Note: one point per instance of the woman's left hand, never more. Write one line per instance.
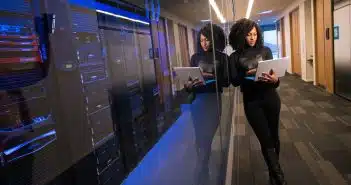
(269, 77)
(207, 75)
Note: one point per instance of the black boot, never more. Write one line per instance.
(277, 151)
(275, 172)
(271, 179)
(277, 148)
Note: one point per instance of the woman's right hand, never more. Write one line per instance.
(193, 83)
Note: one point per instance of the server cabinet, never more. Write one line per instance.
(104, 162)
(56, 123)
(135, 93)
(29, 127)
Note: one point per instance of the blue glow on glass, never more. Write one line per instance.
(210, 81)
(18, 147)
(84, 3)
(109, 10)
(35, 121)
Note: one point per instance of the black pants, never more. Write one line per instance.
(262, 111)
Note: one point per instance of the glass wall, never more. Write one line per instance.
(95, 92)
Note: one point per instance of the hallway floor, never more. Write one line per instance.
(315, 133)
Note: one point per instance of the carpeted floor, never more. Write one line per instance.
(315, 132)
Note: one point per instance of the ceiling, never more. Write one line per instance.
(277, 7)
(196, 10)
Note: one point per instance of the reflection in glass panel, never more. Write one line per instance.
(88, 94)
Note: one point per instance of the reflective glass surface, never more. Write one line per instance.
(89, 93)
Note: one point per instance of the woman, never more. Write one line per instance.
(206, 108)
(261, 100)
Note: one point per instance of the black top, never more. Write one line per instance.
(241, 62)
(205, 61)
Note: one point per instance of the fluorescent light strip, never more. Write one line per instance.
(122, 17)
(266, 12)
(249, 8)
(18, 147)
(216, 9)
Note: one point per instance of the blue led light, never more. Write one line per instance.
(35, 121)
(40, 119)
(105, 9)
(18, 147)
(10, 28)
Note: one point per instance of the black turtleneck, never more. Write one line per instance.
(205, 61)
(248, 59)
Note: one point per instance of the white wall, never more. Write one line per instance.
(306, 36)
(302, 40)
(191, 42)
(309, 30)
(176, 20)
(177, 45)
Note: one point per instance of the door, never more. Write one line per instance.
(295, 42)
(320, 78)
(184, 46)
(282, 32)
(195, 39)
(165, 64)
(324, 45)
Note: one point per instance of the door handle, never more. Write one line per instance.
(327, 33)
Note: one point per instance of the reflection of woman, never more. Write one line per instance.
(261, 100)
(211, 60)
(204, 109)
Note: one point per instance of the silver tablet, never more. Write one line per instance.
(183, 73)
(279, 66)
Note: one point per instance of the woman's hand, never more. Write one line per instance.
(207, 75)
(269, 77)
(193, 83)
(251, 72)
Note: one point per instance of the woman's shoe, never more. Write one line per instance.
(275, 171)
(271, 180)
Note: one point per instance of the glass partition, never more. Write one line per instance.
(107, 92)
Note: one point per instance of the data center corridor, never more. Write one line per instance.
(315, 135)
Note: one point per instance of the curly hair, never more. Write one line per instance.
(239, 31)
(218, 36)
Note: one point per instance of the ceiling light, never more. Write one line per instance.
(216, 9)
(122, 17)
(249, 8)
(265, 12)
(206, 20)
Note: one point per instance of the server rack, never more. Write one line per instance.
(68, 127)
(96, 84)
(83, 94)
(28, 128)
(135, 92)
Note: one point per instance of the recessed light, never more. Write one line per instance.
(249, 8)
(217, 11)
(265, 12)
